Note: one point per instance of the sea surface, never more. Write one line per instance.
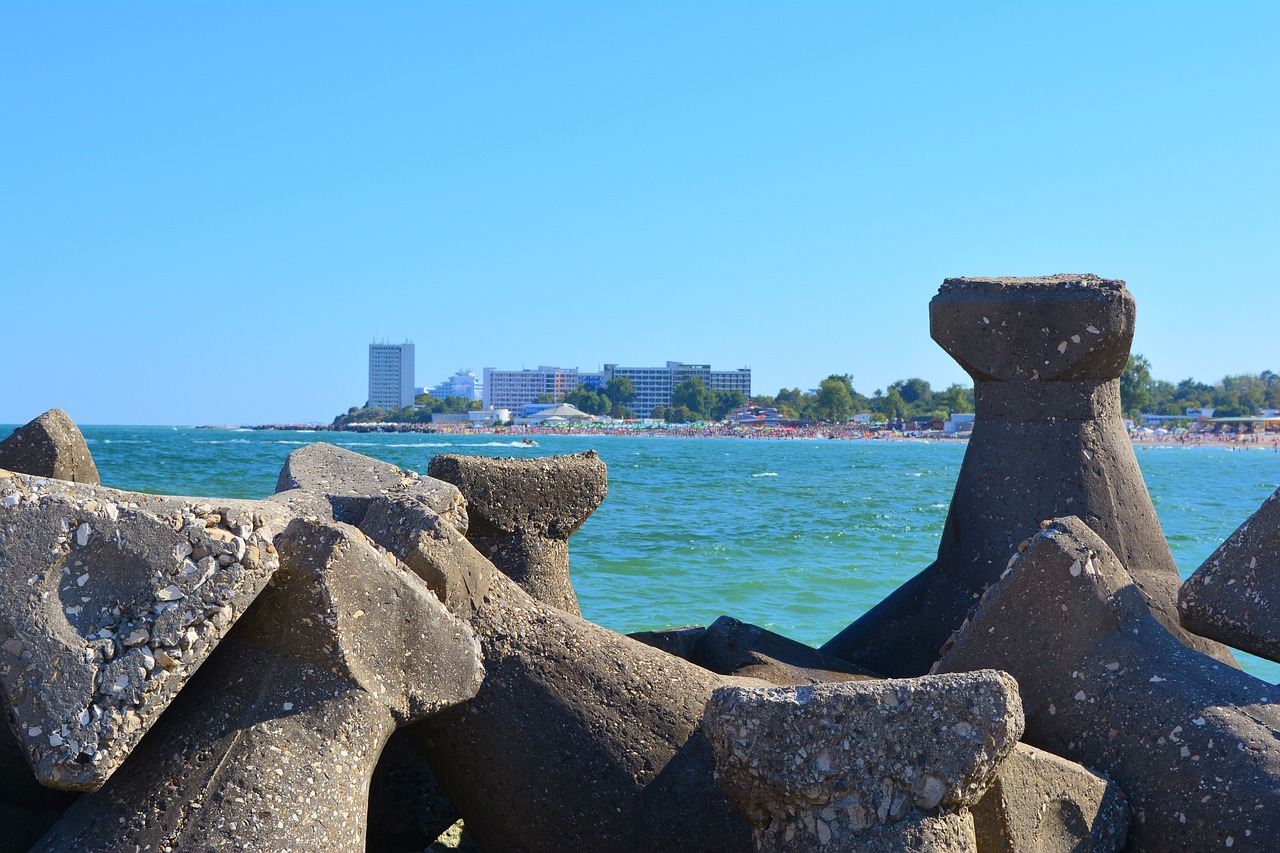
(799, 536)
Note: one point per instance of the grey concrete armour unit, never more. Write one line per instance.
(1189, 740)
(1235, 596)
(889, 765)
(1046, 356)
(272, 745)
(50, 446)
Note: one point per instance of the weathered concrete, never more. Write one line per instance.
(820, 767)
(50, 446)
(109, 600)
(272, 745)
(523, 512)
(1191, 741)
(1235, 596)
(732, 647)
(1043, 802)
(348, 481)
(1045, 355)
(579, 739)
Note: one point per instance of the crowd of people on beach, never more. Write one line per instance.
(1269, 440)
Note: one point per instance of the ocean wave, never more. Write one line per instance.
(765, 474)
(396, 444)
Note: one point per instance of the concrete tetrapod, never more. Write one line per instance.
(347, 481)
(1191, 741)
(1043, 802)
(50, 446)
(523, 511)
(1045, 355)
(109, 601)
(580, 739)
(271, 747)
(1234, 596)
(889, 765)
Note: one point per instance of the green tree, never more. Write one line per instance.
(892, 405)
(956, 399)
(588, 401)
(834, 400)
(659, 413)
(726, 402)
(915, 392)
(545, 397)
(621, 390)
(1135, 385)
(679, 415)
(693, 395)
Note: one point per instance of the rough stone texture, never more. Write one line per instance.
(1043, 802)
(109, 600)
(731, 647)
(1235, 596)
(50, 446)
(272, 745)
(1190, 740)
(1045, 355)
(579, 739)
(348, 481)
(523, 512)
(817, 767)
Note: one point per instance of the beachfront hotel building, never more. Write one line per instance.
(515, 389)
(655, 385)
(461, 384)
(391, 375)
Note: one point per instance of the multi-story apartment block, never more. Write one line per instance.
(654, 385)
(461, 384)
(515, 389)
(391, 375)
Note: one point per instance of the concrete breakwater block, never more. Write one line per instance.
(1043, 802)
(1189, 740)
(871, 765)
(322, 473)
(272, 745)
(1046, 356)
(1234, 597)
(579, 738)
(50, 446)
(109, 601)
(523, 512)
(732, 647)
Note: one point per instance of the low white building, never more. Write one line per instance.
(959, 422)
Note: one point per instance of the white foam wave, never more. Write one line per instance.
(765, 474)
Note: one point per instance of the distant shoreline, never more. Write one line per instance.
(1269, 441)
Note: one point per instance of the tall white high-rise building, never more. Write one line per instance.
(461, 384)
(391, 375)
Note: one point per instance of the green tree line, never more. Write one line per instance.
(424, 407)
(1238, 396)
(836, 401)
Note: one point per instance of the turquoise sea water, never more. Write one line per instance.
(798, 536)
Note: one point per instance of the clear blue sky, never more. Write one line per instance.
(208, 210)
